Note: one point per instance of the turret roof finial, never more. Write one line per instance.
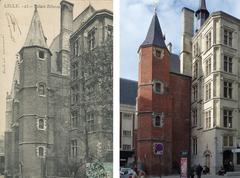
(35, 6)
(155, 4)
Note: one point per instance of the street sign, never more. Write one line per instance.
(158, 148)
(184, 153)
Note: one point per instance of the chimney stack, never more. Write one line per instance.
(66, 16)
(186, 42)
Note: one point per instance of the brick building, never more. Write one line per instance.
(38, 106)
(40, 124)
(163, 105)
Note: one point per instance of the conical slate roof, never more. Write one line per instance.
(35, 36)
(154, 36)
(202, 6)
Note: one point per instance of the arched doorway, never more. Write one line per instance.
(228, 160)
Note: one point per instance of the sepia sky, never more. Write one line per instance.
(135, 18)
(15, 18)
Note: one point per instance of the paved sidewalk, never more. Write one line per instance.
(203, 176)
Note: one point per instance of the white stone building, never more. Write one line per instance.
(128, 124)
(215, 65)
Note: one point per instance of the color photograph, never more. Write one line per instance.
(179, 88)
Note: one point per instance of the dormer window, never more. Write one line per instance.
(41, 54)
(158, 87)
(159, 53)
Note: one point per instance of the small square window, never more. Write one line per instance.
(158, 87)
(41, 54)
(41, 89)
(158, 120)
(41, 124)
(41, 151)
(158, 53)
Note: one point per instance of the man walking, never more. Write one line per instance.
(199, 171)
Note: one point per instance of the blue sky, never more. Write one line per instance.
(135, 18)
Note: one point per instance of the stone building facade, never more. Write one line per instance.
(38, 137)
(128, 121)
(91, 129)
(215, 88)
(163, 106)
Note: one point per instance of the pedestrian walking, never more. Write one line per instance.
(192, 172)
(199, 171)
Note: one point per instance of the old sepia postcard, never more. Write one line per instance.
(56, 96)
(180, 88)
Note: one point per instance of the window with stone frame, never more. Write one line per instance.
(74, 70)
(41, 124)
(41, 89)
(74, 119)
(126, 147)
(74, 94)
(195, 70)
(127, 133)
(227, 141)
(41, 54)
(194, 117)
(227, 89)
(194, 145)
(196, 49)
(208, 119)
(158, 87)
(228, 64)
(208, 40)
(208, 65)
(227, 118)
(73, 148)
(158, 53)
(41, 151)
(91, 39)
(208, 91)
(195, 92)
(158, 120)
(109, 32)
(228, 37)
(90, 122)
(75, 49)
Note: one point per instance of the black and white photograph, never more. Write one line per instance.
(56, 96)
